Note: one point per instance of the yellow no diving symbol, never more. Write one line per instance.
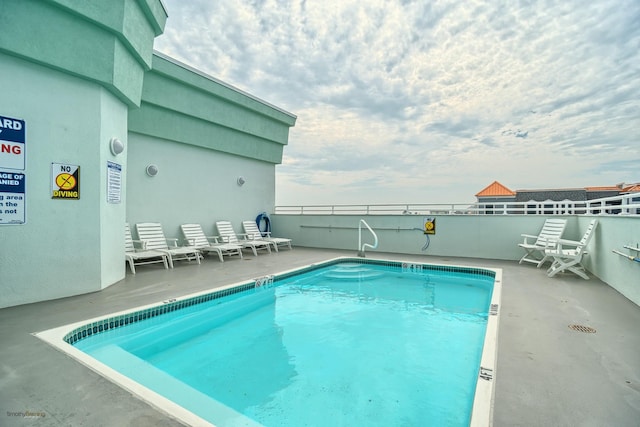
(430, 226)
(65, 181)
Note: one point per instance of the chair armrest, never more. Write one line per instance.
(212, 239)
(561, 244)
(243, 236)
(568, 242)
(527, 237)
(172, 240)
(142, 243)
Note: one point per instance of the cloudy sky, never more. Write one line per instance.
(403, 101)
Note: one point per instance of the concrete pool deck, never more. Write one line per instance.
(547, 373)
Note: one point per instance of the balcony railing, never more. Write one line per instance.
(619, 205)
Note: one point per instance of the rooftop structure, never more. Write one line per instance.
(499, 192)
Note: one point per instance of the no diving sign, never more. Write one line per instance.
(65, 181)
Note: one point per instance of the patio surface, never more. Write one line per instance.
(547, 373)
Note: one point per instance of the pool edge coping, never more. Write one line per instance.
(484, 395)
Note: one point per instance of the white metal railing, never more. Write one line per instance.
(361, 246)
(628, 204)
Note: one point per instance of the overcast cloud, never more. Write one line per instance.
(429, 101)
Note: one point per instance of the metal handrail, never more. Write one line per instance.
(361, 246)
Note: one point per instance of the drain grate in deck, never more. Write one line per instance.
(582, 328)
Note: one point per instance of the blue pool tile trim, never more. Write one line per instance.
(114, 322)
(169, 306)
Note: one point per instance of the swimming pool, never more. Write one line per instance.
(384, 332)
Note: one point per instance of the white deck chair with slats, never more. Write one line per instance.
(194, 236)
(135, 256)
(253, 232)
(228, 235)
(152, 236)
(535, 246)
(568, 254)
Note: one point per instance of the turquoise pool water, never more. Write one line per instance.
(340, 345)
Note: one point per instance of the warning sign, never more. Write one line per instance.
(12, 143)
(429, 225)
(65, 181)
(12, 197)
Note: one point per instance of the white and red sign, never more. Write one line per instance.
(12, 143)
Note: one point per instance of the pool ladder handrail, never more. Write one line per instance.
(361, 246)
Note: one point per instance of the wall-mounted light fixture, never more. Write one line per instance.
(152, 170)
(116, 146)
(241, 181)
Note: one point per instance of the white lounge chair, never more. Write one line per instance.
(135, 256)
(194, 235)
(253, 232)
(152, 236)
(535, 246)
(568, 254)
(228, 235)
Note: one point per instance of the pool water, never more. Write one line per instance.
(342, 345)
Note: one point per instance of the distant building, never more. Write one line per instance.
(497, 194)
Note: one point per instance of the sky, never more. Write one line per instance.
(402, 101)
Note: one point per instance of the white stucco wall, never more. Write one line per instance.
(66, 247)
(194, 185)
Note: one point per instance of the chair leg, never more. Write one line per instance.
(543, 260)
(574, 266)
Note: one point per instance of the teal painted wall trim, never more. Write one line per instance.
(174, 69)
(183, 105)
(108, 42)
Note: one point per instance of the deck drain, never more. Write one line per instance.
(582, 328)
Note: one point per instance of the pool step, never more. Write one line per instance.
(353, 272)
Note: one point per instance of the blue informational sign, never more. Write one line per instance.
(12, 143)
(12, 129)
(12, 197)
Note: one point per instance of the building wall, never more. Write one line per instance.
(82, 73)
(70, 70)
(66, 247)
(108, 42)
(202, 135)
(194, 185)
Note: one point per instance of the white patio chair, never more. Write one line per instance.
(194, 235)
(253, 232)
(152, 236)
(135, 256)
(568, 254)
(535, 246)
(228, 235)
